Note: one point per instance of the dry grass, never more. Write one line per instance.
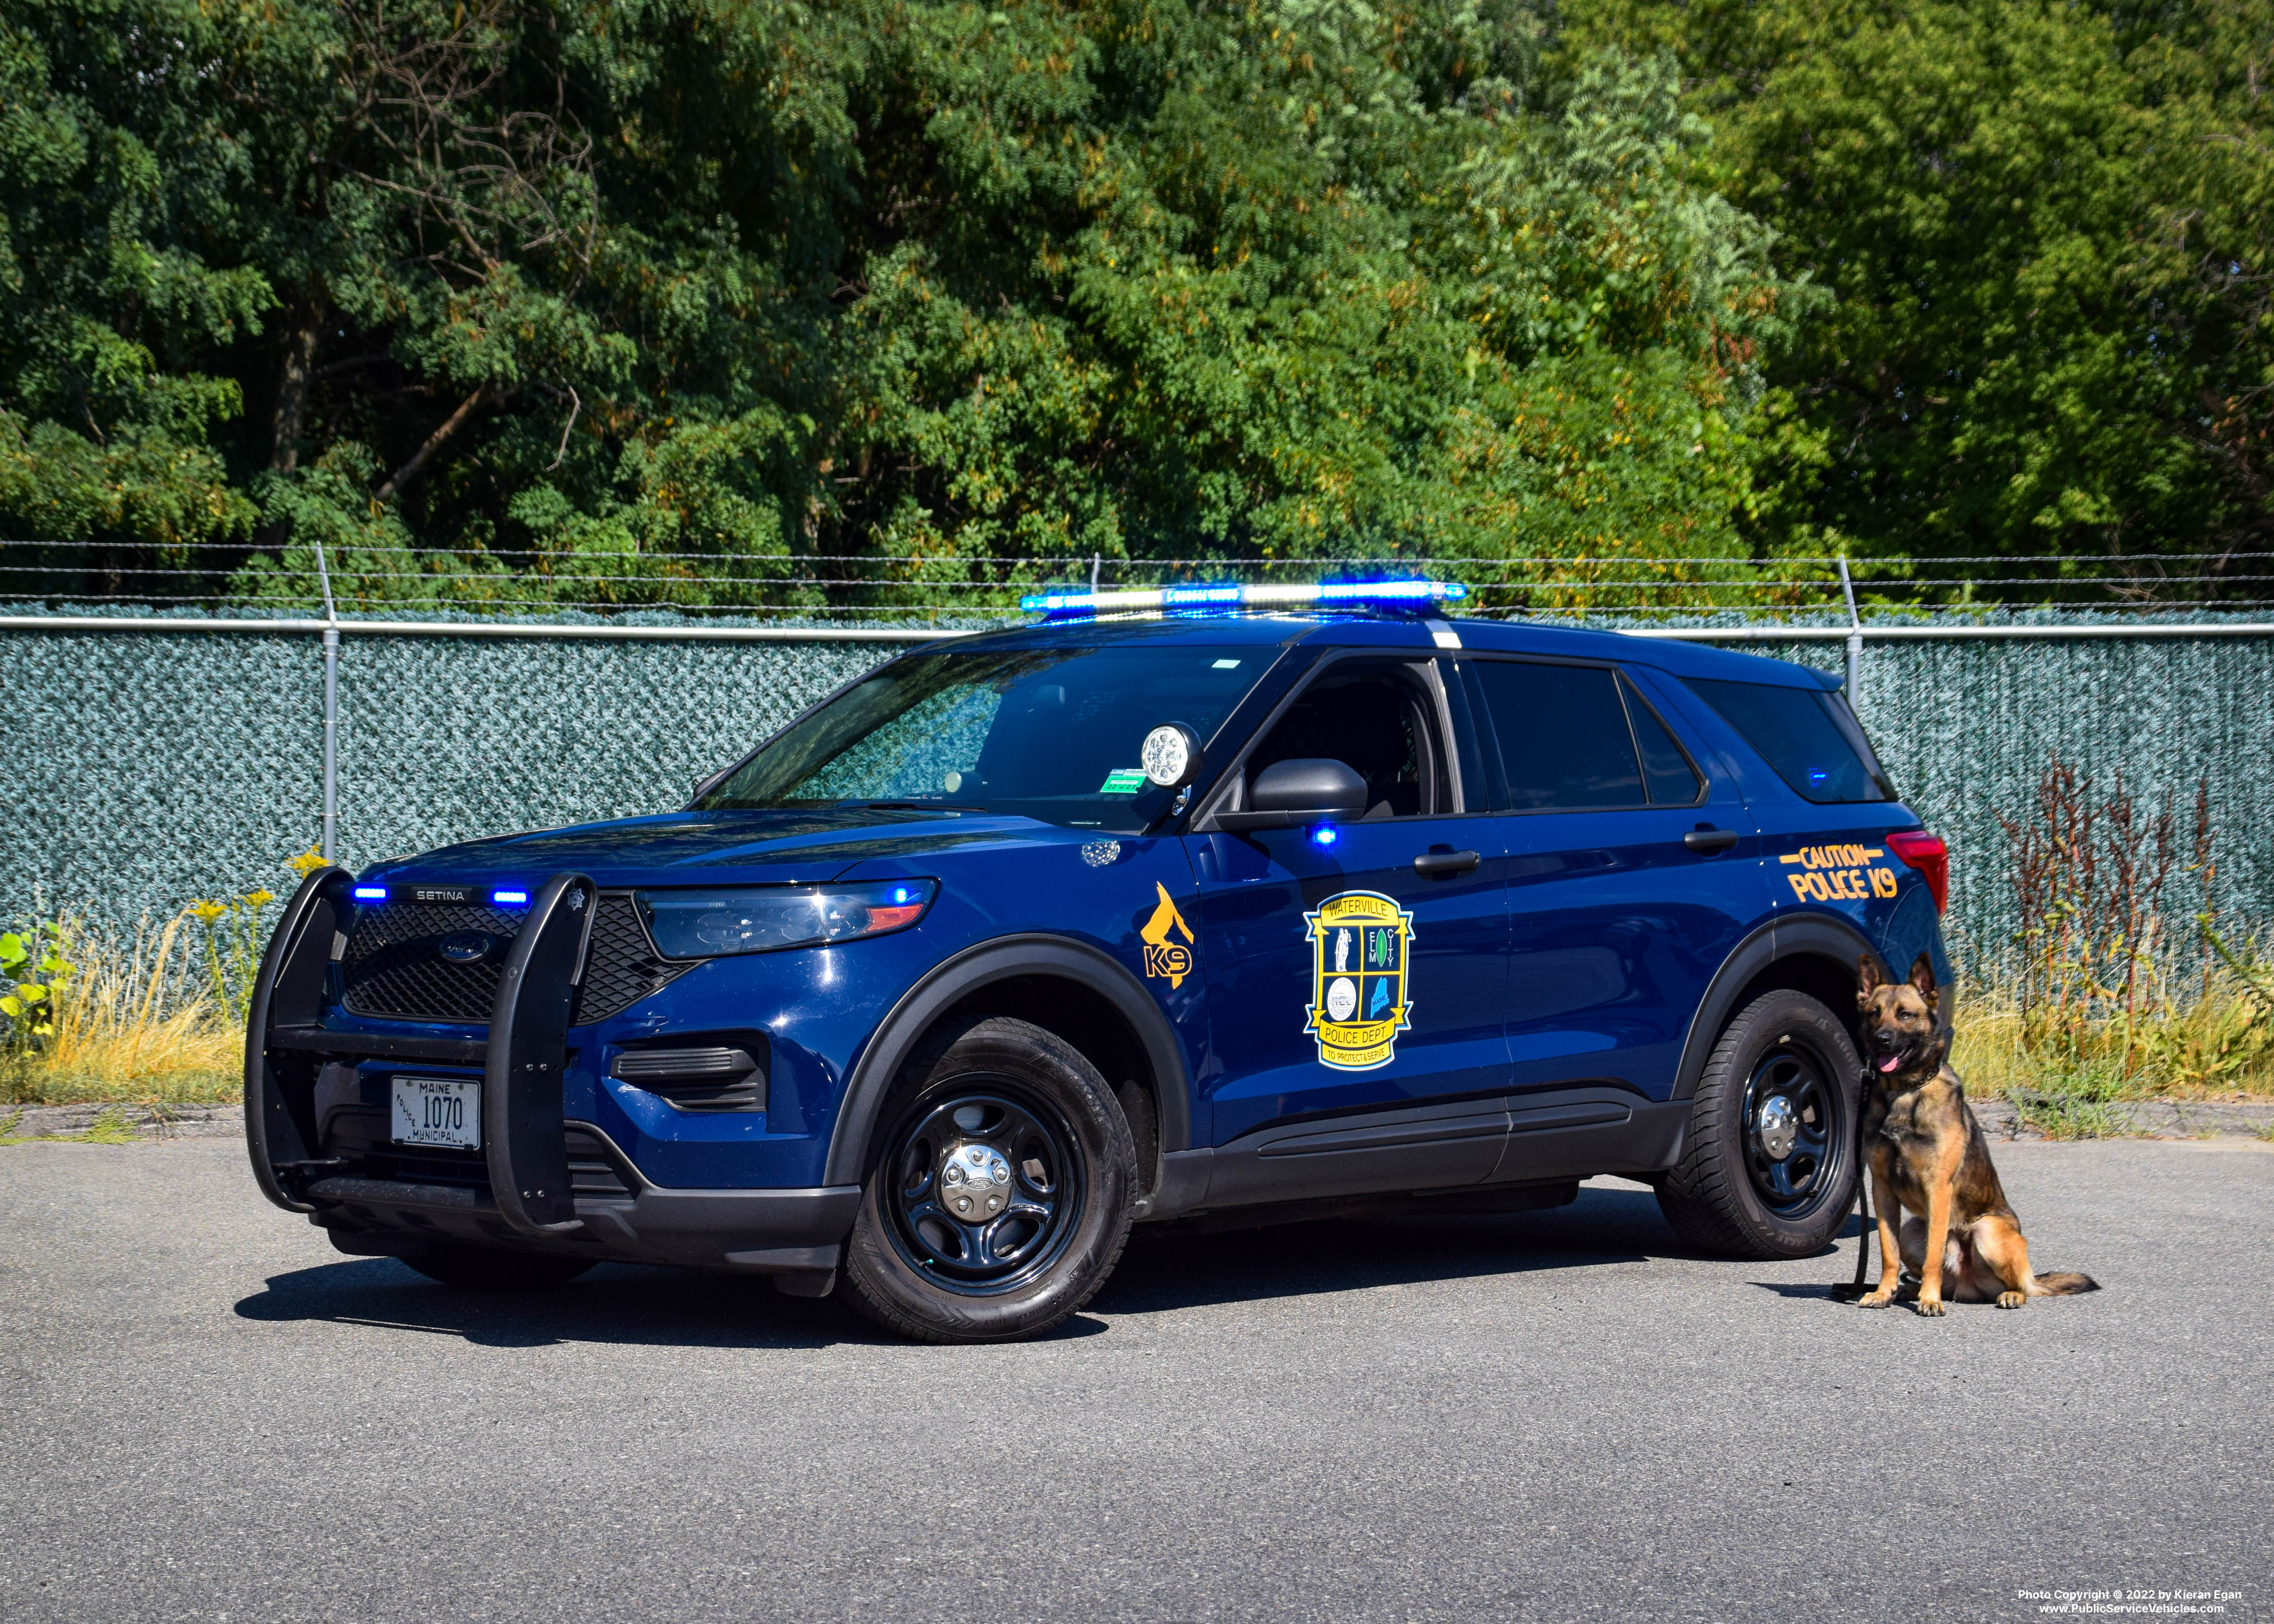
(138, 1024)
(2074, 1082)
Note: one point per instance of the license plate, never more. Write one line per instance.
(439, 1110)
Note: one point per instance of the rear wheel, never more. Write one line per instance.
(1769, 1167)
(1000, 1199)
(480, 1269)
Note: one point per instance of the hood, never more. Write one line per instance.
(717, 848)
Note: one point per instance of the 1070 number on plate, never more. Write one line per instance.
(439, 1110)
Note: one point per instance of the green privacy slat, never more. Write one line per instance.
(140, 769)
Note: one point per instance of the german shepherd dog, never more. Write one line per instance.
(1926, 1152)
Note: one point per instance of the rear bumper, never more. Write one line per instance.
(526, 1191)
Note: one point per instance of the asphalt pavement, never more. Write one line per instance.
(210, 1414)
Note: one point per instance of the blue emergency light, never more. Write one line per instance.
(1308, 595)
(370, 893)
(509, 898)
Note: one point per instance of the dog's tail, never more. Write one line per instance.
(2066, 1284)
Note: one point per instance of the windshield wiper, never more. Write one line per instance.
(910, 806)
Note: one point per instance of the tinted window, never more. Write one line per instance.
(1806, 734)
(1562, 732)
(1673, 781)
(1373, 720)
(1051, 733)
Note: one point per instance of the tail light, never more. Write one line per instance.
(1931, 857)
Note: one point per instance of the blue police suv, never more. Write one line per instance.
(1219, 906)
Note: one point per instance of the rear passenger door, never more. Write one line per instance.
(1632, 872)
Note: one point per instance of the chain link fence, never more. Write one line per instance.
(148, 766)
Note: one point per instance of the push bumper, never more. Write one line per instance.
(551, 1186)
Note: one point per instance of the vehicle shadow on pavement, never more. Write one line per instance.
(623, 1304)
(1162, 1271)
(1167, 1270)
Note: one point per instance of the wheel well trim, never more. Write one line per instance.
(973, 970)
(1801, 936)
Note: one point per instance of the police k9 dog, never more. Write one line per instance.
(1928, 1159)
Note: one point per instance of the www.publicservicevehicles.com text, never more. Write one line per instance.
(2130, 1601)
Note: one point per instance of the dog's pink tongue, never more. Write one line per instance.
(1889, 1062)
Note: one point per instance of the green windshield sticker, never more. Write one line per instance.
(1123, 781)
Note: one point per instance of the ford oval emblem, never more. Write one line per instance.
(465, 947)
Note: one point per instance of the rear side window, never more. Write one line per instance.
(1807, 734)
(1574, 737)
(1674, 780)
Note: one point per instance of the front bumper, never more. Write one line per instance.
(541, 1181)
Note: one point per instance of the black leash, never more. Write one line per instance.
(1854, 1292)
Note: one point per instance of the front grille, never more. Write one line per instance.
(620, 965)
(393, 970)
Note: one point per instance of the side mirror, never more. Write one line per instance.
(1290, 793)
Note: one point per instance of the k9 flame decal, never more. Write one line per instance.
(1359, 944)
(1164, 956)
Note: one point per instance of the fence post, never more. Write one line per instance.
(331, 708)
(1855, 641)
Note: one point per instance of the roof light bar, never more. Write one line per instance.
(1410, 594)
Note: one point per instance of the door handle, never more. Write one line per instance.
(1710, 839)
(1444, 865)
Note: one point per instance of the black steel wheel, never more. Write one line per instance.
(985, 1188)
(1768, 1169)
(999, 1197)
(1793, 1119)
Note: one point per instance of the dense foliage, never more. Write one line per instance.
(752, 301)
(2049, 229)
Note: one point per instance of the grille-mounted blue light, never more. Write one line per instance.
(370, 893)
(509, 898)
(1309, 595)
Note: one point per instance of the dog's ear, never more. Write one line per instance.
(1868, 979)
(1922, 977)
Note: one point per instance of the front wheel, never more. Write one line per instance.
(1000, 1198)
(1769, 1167)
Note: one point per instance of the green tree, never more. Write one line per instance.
(732, 301)
(2045, 229)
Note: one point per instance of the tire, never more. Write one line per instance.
(1732, 1194)
(1039, 1144)
(477, 1268)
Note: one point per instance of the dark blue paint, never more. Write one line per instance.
(1576, 951)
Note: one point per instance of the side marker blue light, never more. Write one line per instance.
(370, 893)
(509, 898)
(1324, 835)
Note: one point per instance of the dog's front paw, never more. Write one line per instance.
(1875, 1299)
(2013, 1299)
(1931, 1306)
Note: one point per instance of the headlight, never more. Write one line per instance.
(758, 918)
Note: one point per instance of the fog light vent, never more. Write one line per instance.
(712, 1078)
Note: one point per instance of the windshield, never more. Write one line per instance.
(1053, 733)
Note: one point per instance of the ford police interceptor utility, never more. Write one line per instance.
(1222, 906)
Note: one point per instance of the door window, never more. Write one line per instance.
(1579, 739)
(1373, 717)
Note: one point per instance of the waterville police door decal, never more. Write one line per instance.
(1359, 942)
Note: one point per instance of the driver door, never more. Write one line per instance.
(1364, 973)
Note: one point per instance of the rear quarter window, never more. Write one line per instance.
(1808, 735)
